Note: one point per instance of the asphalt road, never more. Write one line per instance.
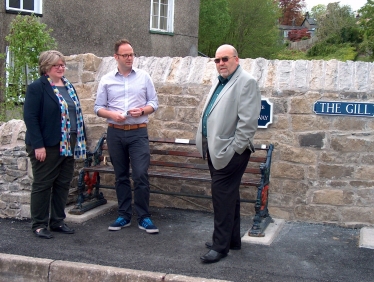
(301, 252)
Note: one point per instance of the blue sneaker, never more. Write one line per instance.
(119, 223)
(147, 225)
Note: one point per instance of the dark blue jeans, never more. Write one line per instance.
(130, 147)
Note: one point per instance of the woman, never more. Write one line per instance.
(54, 138)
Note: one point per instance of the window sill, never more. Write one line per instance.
(24, 13)
(161, 32)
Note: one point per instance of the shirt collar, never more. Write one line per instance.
(133, 70)
(225, 80)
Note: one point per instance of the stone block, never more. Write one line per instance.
(3, 205)
(331, 75)
(303, 104)
(62, 271)
(330, 197)
(280, 122)
(301, 74)
(25, 211)
(21, 268)
(7, 161)
(357, 214)
(87, 77)
(316, 80)
(281, 200)
(87, 106)
(287, 170)
(292, 187)
(349, 143)
(349, 123)
(72, 72)
(316, 213)
(300, 123)
(365, 197)
(297, 155)
(84, 91)
(367, 159)
(314, 140)
(361, 184)
(364, 172)
(22, 164)
(279, 213)
(91, 62)
(333, 157)
(183, 278)
(345, 82)
(335, 171)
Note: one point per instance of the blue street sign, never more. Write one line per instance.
(266, 114)
(344, 108)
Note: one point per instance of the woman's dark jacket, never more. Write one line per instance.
(42, 115)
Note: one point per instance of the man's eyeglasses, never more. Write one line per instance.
(125, 56)
(59, 66)
(224, 59)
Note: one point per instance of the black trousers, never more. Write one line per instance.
(226, 201)
(130, 147)
(50, 187)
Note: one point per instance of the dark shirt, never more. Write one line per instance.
(71, 108)
(217, 91)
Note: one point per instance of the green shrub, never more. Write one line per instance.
(27, 38)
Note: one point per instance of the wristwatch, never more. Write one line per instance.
(142, 111)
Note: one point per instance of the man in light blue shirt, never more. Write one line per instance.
(125, 97)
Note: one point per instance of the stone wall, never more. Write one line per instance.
(322, 169)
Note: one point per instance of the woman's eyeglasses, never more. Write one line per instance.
(125, 56)
(224, 59)
(59, 66)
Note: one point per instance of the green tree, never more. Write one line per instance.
(254, 28)
(214, 22)
(332, 23)
(367, 24)
(27, 38)
(317, 11)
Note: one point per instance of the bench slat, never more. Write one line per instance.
(175, 153)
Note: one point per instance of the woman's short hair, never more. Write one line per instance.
(47, 59)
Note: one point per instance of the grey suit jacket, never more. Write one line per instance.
(233, 119)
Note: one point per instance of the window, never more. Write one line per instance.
(10, 82)
(24, 6)
(162, 16)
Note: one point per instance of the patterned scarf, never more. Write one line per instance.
(65, 147)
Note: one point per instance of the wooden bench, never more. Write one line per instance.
(178, 159)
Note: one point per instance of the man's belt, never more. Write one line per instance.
(127, 126)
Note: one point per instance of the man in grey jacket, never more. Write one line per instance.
(225, 136)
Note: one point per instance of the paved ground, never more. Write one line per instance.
(301, 252)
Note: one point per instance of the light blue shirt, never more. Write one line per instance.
(122, 93)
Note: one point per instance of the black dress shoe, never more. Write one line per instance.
(209, 245)
(212, 256)
(63, 229)
(43, 233)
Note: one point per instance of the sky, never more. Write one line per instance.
(355, 4)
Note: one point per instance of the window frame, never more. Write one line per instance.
(38, 8)
(9, 62)
(170, 19)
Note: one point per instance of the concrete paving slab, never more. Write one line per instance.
(366, 238)
(72, 218)
(18, 268)
(271, 233)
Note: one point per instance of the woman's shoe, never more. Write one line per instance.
(43, 233)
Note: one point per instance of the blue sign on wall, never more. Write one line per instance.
(344, 108)
(266, 114)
